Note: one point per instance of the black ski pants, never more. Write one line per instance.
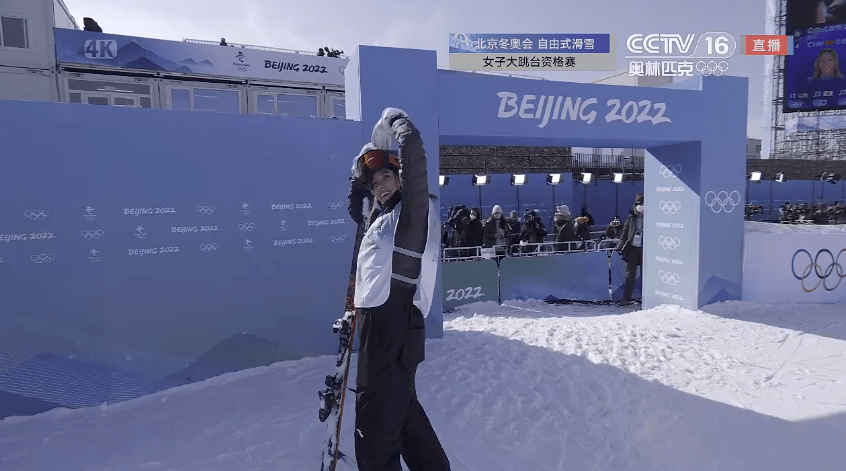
(389, 420)
(634, 259)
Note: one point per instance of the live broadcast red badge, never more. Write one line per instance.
(767, 45)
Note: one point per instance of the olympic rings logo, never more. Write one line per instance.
(833, 268)
(92, 234)
(205, 209)
(337, 239)
(722, 201)
(209, 247)
(42, 258)
(669, 278)
(712, 67)
(669, 243)
(36, 214)
(336, 205)
(668, 171)
(247, 227)
(670, 207)
(241, 68)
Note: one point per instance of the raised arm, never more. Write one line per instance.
(413, 225)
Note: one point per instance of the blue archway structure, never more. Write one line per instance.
(695, 140)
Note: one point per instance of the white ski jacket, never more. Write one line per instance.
(402, 244)
(375, 267)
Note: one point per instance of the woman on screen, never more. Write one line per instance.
(827, 66)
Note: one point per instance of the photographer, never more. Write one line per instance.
(582, 231)
(454, 225)
(533, 232)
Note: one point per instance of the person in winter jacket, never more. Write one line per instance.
(474, 236)
(582, 230)
(514, 223)
(586, 213)
(564, 230)
(533, 232)
(631, 246)
(497, 231)
(394, 288)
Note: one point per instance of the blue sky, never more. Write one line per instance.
(427, 24)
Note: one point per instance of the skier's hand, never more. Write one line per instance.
(383, 134)
(358, 192)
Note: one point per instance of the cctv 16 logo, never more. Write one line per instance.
(100, 49)
(708, 45)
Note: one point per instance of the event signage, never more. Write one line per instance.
(180, 232)
(805, 266)
(128, 52)
(658, 54)
(536, 52)
(532, 107)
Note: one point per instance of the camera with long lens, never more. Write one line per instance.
(752, 209)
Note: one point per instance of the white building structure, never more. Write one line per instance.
(44, 56)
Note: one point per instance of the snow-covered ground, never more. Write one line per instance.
(524, 386)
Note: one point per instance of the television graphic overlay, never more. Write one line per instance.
(814, 79)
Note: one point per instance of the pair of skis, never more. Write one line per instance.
(332, 398)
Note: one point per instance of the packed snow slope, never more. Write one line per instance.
(524, 386)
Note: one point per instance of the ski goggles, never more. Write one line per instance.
(377, 158)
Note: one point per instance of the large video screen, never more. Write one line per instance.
(813, 77)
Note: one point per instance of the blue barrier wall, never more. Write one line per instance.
(582, 276)
(591, 276)
(140, 243)
(469, 282)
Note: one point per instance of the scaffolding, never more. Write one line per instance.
(825, 144)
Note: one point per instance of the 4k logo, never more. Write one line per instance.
(101, 49)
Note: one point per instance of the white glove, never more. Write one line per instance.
(383, 135)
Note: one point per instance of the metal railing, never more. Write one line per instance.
(258, 48)
(460, 254)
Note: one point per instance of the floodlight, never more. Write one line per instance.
(779, 177)
(755, 176)
(518, 180)
(479, 180)
(553, 178)
(586, 177)
(618, 177)
(443, 180)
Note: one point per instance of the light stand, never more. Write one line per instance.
(552, 179)
(586, 178)
(753, 177)
(618, 178)
(479, 181)
(518, 180)
(779, 177)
